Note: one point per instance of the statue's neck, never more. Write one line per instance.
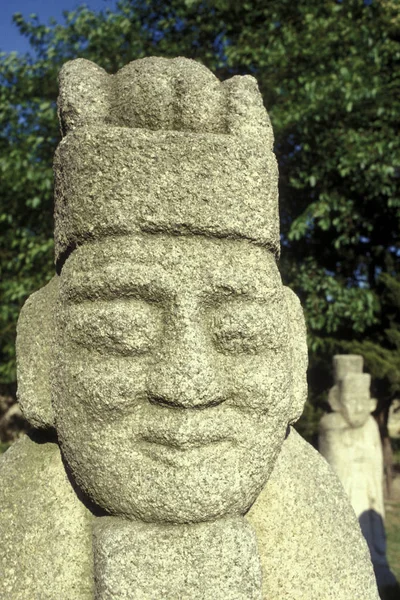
(136, 560)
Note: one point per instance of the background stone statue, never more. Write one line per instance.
(162, 367)
(394, 419)
(350, 441)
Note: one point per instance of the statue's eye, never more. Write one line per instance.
(126, 327)
(248, 327)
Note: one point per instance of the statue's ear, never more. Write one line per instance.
(373, 404)
(298, 341)
(34, 346)
(334, 399)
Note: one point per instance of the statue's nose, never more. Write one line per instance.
(184, 374)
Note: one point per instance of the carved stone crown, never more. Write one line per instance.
(163, 147)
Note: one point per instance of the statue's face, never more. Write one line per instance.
(172, 374)
(356, 408)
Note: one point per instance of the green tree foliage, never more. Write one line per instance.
(329, 74)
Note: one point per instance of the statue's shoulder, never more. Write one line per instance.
(309, 539)
(373, 426)
(45, 530)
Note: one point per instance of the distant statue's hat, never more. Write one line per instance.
(355, 384)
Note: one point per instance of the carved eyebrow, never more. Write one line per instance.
(243, 288)
(147, 283)
(227, 291)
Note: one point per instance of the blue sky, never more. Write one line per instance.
(10, 39)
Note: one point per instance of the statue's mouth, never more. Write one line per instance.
(173, 436)
(184, 455)
(182, 443)
(185, 430)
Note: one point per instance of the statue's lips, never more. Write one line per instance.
(183, 442)
(186, 430)
(180, 444)
(187, 456)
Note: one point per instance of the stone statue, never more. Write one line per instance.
(163, 366)
(394, 419)
(349, 440)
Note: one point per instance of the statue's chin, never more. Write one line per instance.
(357, 422)
(186, 504)
(153, 491)
(157, 481)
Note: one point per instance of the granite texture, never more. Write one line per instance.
(162, 94)
(171, 361)
(34, 347)
(206, 561)
(178, 185)
(308, 540)
(176, 357)
(45, 529)
(308, 537)
(195, 145)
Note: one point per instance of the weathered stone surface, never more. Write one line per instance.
(45, 529)
(206, 561)
(173, 360)
(306, 534)
(349, 439)
(308, 537)
(195, 323)
(162, 94)
(196, 145)
(178, 186)
(34, 347)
